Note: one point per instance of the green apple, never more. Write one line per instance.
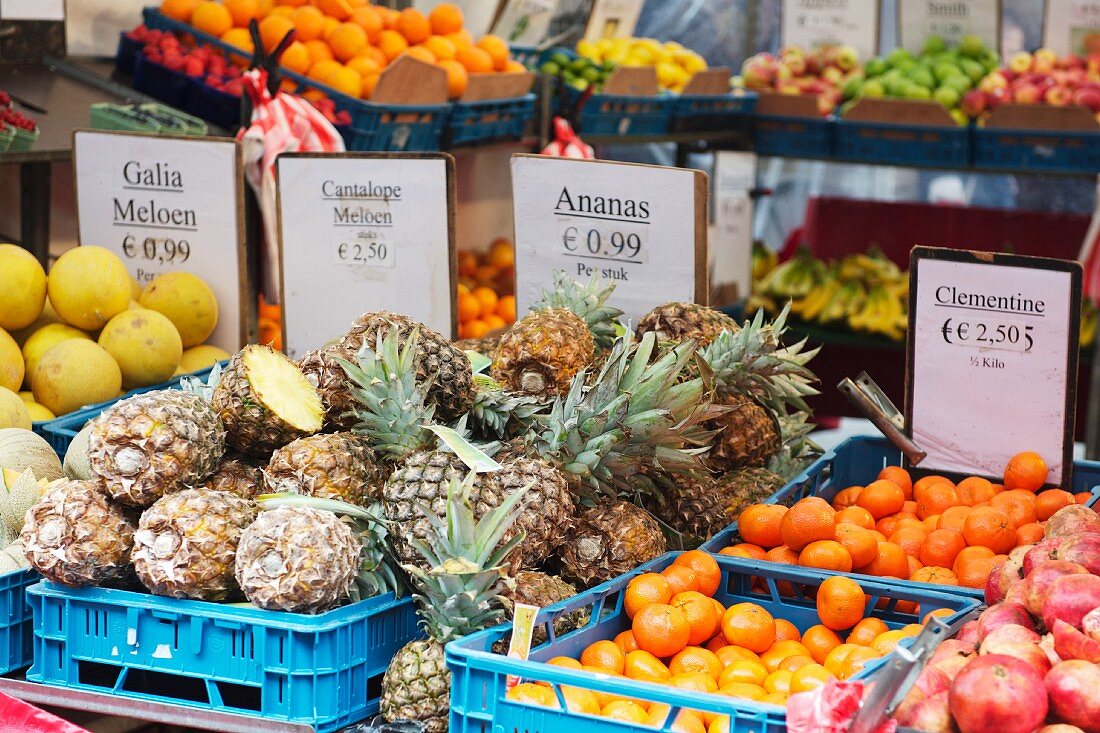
(947, 97)
(898, 87)
(872, 88)
(933, 44)
(851, 87)
(958, 82)
(922, 77)
(945, 69)
(971, 46)
(916, 91)
(973, 69)
(876, 67)
(895, 57)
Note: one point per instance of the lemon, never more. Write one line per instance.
(38, 413)
(187, 301)
(13, 411)
(201, 357)
(22, 287)
(145, 344)
(11, 362)
(73, 374)
(45, 339)
(88, 286)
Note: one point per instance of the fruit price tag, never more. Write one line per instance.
(524, 22)
(363, 232)
(612, 19)
(1072, 27)
(169, 204)
(948, 20)
(523, 629)
(731, 255)
(812, 23)
(992, 360)
(642, 226)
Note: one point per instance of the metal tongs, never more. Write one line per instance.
(872, 403)
(897, 676)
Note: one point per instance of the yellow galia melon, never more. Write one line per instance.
(187, 301)
(88, 286)
(145, 344)
(22, 287)
(13, 412)
(73, 374)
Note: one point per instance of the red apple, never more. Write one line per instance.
(998, 694)
(1070, 520)
(1042, 576)
(973, 103)
(1008, 632)
(1029, 652)
(1070, 598)
(1083, 549)
(1003, 614)
(1072, 687)
(1072, 644)
(931, 715)
(1020, 62)
(1027, 94)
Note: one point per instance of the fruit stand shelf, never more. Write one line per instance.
(153, 712)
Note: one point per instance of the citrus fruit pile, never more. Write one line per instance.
(674, 64)
(681, 636)
(486, 283)
(928, 531)
(345, 44)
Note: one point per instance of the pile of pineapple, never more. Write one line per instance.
(586, 449)
(90, 331)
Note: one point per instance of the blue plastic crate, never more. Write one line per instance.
(128, 51)
(903, 145)
(526, 55)
(623, 115)
(478, 703)
(1037, 150)
(856, 462)
(793, 137)
(214, 105)
(160, 82)
(490, 120)
(16, 621)
(322, 670)
(713, 112)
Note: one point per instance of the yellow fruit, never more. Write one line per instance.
(145, 344)
(11, 362)
(13, 411)
(45, 339)
(88, 286)
(38, 413)
(187, 301)
(345, 80)
(26, 396)
(22, 287)
(73, 374)
(200, 357)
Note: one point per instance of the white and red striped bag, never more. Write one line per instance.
(566, 143)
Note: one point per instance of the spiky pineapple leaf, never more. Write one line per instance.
(588, 301)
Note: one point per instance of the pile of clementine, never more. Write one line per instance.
(486, 287)
(681, 636)
(346, 44)
(928, 531)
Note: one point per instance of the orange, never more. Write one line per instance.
(856, 515)
(179, 9)
(369, 19)
(759, 524)
(320, 71)
(944, 612)
(909, 539)
(1051, 501)
(990, 527)
(367, 66)
(779, 681)
(645, 589)
(319, 51)
(338, 9)
(212, 17)
(826, 555)
(1027, 471)
(641, 665)
(909, 507)
(744, 549)
(661, 629)
(625, 640)
(785, 630)
(283, 10)
(309, 22)
(730, 654)
(487, 297)
(926, 481)
(772, 698)
(854, 662)
(866, 630)
(289, 3)
(975, 490)
(374, 54)
(700, 613)
(954, 517)
(888, 641)
(273, 28)
(238, 37)
(347, 40)
(681, 578)
(932, 523)
(935, 574)
(881, 498)
(744, 670)
(750, 626)
(296, 57)
(840, 603)
(461, 39)
(475, 60)
(567, 662)
(414, 26)
(580, 700)
(1082, 497)
(604, 653)
(1019, 505)
(420, 53)
(696, 659)
(442, 48)
(861, 545)
(891, 561)
(941, 547)
(846, 497)
(781, 650)
(345, 80)
(330, 25)
(707, 573)
(497, 49)
(473, 329)
(971, 563)
(810, 677)
(834, 661)
(808, 520)
(627, 711)
(242, 11)
(743, 690)
(688, 721)
(795, 662)
(392, 44)
(914, 565)
(446, 18)
(696, 681)
(820, 640)
(506, 309)
(936, 499)
(1029, 534)
(469, 308)
(533, 694)
(899, 476)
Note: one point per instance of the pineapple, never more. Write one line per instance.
(748, 434)
(609, 540)
(324, 372)
(589, 301)
(461, 592)
(338, 466)
(265, 401)
(539, 589)
(499, 414)
(699, 508)
(680, 321)
(75, 535)
(486, 346)
(186, 543)
(154, 444)
(237, 475)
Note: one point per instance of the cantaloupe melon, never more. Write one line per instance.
(22, 449)
(76, 464)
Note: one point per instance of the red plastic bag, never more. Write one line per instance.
(17, 716)
(566, 144)
(828, 709)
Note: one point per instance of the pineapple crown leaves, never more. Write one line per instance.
(377, 574)
(195, 385)
(463, 590)
(588, 301)
(753, 361)
(393, 405)
(498, 413)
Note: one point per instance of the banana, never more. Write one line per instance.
(817, 301)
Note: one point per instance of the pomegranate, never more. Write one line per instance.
(1072, 519)
(1072, 644)
(1070, 598)
(1083, 549)
(998, 694)
(968, 633)
(931, 682)
(1072, 687)
(1043, 550)
(1047, 645)
(951, 656)
(1090, 624)
(931, 715)
(1003, 614)
(1008, 632)
(994, 590)
(1059, 728)
(1005, 575)
(1042, 576)
(1017, 593)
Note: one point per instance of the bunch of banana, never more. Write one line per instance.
(1090, 319)
(872, 269)
(764, 260)
(882, 313)
(792, 279)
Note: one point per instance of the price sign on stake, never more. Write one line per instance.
(642, 226)
(950, 20)
(992, 360)
(811, 23)
(362, 232)
(168, 204)
(1072, 26)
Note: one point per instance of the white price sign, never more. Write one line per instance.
(1072, 26)
(612, 19)
(731, 249)
(993, 345)
(363, 232)
(168, 204)
(642, 226)
(950, 20)
(812, 23)
(524, 22)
